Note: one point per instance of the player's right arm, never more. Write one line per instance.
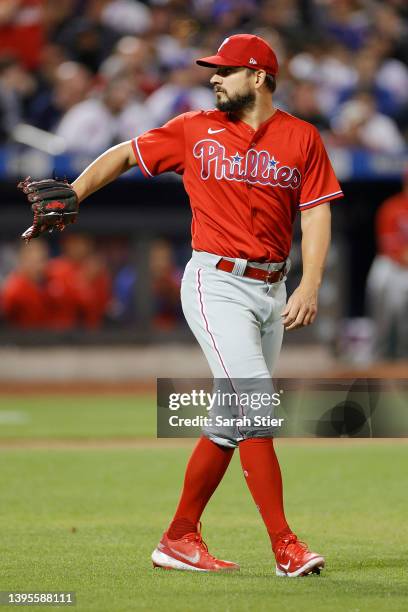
(105, 169)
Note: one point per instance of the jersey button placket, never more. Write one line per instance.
(251, 145)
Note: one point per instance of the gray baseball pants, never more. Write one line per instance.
(237, 322)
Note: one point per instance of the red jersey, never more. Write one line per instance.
(25, 304)
(23, 35)
(392, 228)
(245, 186)
(80, 298)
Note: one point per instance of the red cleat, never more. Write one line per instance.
(293, 558)
(188, 553)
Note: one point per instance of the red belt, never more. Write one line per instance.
(257, 273)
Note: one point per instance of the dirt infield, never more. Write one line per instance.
(394, 369)
(78, 388)
(126, 370)
(387, 370)
(162, 443)
(94, 443)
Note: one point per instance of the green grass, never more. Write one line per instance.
(349, 501)
(77, 416)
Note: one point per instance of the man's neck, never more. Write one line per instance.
(258, 115)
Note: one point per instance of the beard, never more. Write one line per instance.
(237, 103)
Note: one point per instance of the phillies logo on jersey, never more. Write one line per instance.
(255, 167)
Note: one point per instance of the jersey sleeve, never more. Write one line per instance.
(319, 182)
(161, 149)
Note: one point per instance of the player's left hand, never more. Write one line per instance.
(301, 308)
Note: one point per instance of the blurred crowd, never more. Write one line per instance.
(86, 286)
(97, 72)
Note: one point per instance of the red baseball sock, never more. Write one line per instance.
(205, 469)
(263, 477)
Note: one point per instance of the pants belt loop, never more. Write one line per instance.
(239, 267)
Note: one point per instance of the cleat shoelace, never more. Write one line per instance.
(198, 538)
(288, 541)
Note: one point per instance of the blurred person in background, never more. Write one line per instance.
(391, 73)
(16, 85)
(346, 21)
(86, 39)
(100, 122)
(136, 57)
(122, 308)
(183, 91)
(165, 285)
(327, 64)
(305, 105)
(174, 39)
(56, 15)
(175, 51)
(80, 280)
(25, 300)
(165, 277)
(387, 283)
(389, 91)
(231, 15)
(281, 16)
(21, 30)
(8, 259)
(72, 85)
(52, 56)
(391, 76)
(359, 124)
(126, 16)
(391, 24)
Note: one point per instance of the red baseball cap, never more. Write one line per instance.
(243, 50)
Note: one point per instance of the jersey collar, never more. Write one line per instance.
(229, 118)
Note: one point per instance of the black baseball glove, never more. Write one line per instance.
(54, 204)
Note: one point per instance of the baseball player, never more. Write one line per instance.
(387, 282)
(248, 169)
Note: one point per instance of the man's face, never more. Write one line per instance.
(234, 89)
